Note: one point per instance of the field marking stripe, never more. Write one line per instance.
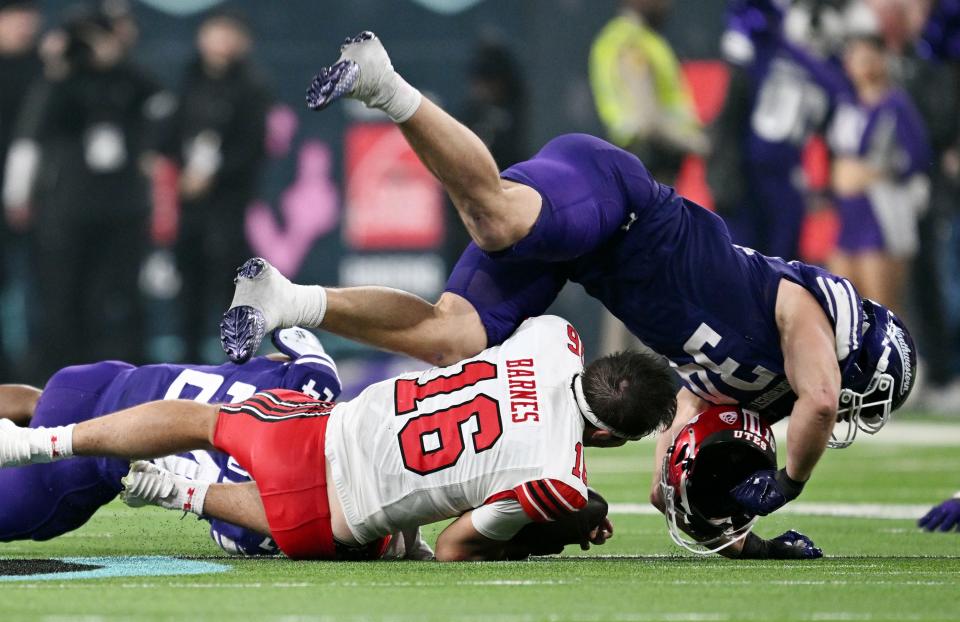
(845, 510)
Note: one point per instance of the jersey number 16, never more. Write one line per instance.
(434, 441)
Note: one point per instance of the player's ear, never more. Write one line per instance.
(595, 437)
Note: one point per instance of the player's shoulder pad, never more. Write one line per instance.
(544, 322)
(311, 371)
(548, 499)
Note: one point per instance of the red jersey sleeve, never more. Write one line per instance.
(549, 499)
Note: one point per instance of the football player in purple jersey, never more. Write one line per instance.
(782, 338)
(44, 501)
(779, 96)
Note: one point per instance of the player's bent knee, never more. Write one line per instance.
(209, 418)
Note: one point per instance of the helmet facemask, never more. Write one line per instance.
(888, 350)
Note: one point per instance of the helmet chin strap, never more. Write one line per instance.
(577, 387)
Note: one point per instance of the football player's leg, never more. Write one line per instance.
(239, 504)
(149, 430)
(496, 217)
(17, 402)
(390, 319)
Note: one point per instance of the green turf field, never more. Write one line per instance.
(876, 568)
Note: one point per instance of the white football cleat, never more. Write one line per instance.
(148, 484)
(256, 308)
(364, 72)
(14, 444)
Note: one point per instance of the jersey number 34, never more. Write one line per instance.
(434, 441)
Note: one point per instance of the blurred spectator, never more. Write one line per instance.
(19, 66)
(931, 70)
(217, 137)
(779, 95)
(879, 176)
(640, 92)
(645, 104)
(88, 203)
(818, 25)
(496, 110)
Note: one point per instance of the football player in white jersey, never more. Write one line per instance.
(496, 440)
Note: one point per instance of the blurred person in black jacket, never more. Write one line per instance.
(85, 194)
(217, 138)
(19, 66)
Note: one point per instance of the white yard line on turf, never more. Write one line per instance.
(846, 510)
(900, 433)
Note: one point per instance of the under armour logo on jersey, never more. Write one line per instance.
(632, 219)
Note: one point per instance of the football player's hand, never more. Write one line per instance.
(944, 517)
(766, 491)
(584, 527)
(599, 534)
(789, 545)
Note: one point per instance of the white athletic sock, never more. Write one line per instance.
(307, 306)
(282, 303)
(397, 98)
(191, 498)
(51, 444)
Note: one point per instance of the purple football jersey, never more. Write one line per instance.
(662, 264)
(791, 91)
(43, 501)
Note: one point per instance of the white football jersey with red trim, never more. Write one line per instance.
(427, 446)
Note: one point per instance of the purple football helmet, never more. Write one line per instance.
(881, 378)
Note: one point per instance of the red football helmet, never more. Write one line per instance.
(714, 452)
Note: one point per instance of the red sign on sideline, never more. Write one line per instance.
(392, 200)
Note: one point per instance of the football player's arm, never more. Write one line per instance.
(688, 406)
(810, 363)
(483, 534)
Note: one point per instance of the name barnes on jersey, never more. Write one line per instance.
(523, 390)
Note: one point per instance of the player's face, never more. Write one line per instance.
(592, 437)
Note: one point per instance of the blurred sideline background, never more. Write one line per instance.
(215, 158)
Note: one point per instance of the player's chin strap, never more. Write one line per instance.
(852, 404)
(576, 385)
(730, 535)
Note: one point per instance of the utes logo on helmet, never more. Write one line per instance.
(729, 417)
(710, 455)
